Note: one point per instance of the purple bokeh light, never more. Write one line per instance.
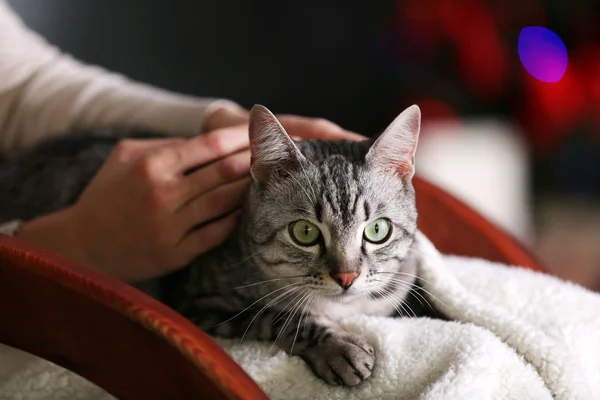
(542, 53)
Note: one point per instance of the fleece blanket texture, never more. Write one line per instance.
(513, 334)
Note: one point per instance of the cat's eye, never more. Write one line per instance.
(304, 233)
(378, 231)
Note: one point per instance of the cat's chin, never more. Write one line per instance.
(342, 298)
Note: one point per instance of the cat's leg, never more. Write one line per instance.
(335, 355)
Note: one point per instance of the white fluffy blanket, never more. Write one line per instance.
(515, 334)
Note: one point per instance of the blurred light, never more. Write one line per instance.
(542, 53)
(482, 57)
(424, 14)
(551, 111)
(586, 58)
(512, 15)
(436, 110)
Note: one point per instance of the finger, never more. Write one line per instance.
(208, 237)
(206, 148)
(132, 149)
(316, 128)
(226, 170)
(213, 204)
(345, 135)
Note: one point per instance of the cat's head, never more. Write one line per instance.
(334, 219)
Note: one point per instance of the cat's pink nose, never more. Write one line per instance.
(345, 279)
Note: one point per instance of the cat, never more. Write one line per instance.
(327, 231)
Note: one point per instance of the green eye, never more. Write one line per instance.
(304, 233)
(378, 231)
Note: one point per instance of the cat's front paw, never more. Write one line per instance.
(346, 359)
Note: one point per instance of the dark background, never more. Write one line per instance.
(312, 57)
(359, 63)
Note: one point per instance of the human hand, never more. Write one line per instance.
(298, 127)
(136, 219)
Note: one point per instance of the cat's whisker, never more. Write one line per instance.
(247, 258)
(410, 291)
(243, 261)
(277, 299)
(415, 251)
(310, 306)
(384, 295)
(309, 309)
(400, 281)
(291, 314)
(283, 312)
(293, 310)
(251, 305)
(434, 297)
(417, 295)
(402, 274)
(308, 299)
(290, 317)
(401, 303)
(271, 280)
(410, 285)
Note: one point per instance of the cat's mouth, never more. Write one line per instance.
(344, 296)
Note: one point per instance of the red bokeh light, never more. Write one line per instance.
(435, 110)
(483, 34)
(551, 109)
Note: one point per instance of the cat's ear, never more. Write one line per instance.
(273, 151)
(394, 150)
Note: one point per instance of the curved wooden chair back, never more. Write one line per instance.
(456, 228)
(136, 348)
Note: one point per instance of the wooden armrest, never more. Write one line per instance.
(108, 332)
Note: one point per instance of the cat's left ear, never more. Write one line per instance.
(273, 152)
(394, 150)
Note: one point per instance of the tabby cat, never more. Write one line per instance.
(326, 231)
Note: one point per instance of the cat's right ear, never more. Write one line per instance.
(273, 151)
(394, 150)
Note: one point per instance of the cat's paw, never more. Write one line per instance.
(346, 359)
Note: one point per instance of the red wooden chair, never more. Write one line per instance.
(136, 348)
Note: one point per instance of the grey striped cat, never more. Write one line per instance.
(326, 231)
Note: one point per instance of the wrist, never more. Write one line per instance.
(11, 228)
(56, 232)
(224, 113)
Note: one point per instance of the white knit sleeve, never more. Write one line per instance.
(10, 228)
(44, 92)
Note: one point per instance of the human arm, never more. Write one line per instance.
(45, 92)
(136, 218)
